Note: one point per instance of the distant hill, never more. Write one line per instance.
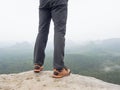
(109, 45)
(103, 45)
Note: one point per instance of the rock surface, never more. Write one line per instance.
(44, 81)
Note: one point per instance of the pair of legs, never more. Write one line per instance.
(59, 16)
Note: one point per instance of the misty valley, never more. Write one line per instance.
(99, 59)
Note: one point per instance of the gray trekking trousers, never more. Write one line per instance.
(57, 11)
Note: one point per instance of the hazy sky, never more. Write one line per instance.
(87, 20)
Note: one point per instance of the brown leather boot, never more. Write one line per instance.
(61, 73)
(38, 68)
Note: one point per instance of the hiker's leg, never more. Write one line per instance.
(59, 16)
(44, 23)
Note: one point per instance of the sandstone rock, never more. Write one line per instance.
(44, 81)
